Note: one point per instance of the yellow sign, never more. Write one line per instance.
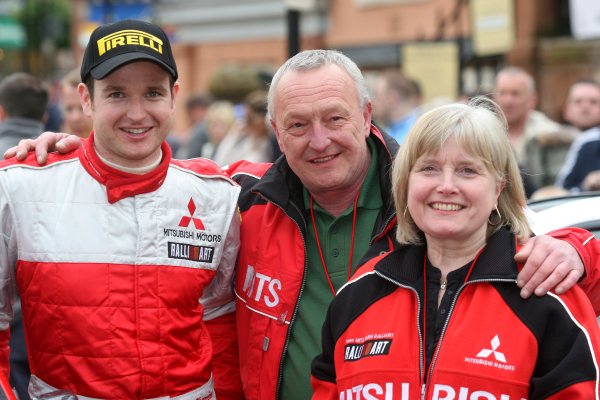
(493, 24)
(129, 36)
(434, 65)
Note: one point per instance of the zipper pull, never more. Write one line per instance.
(423, 392)
(443, 284)
(281, 319)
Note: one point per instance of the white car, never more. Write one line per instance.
(578, 210)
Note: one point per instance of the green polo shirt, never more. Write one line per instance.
(335, 235)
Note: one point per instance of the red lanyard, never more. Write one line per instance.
(314, 223)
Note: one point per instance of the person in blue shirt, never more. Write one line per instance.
(396, 103)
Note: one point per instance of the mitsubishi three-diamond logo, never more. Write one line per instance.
(495, 343)
(185, 220)
(180, 248)
(484, 358)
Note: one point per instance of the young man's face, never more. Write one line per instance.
(132, 112)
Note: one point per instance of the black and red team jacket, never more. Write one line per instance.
(271, 266)
(494, 345)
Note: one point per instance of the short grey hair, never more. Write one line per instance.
(314, 59)
(518, 71)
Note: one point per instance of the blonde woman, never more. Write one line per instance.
(441, 316)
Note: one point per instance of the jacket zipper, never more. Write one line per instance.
(287, 336)
(439, 344)
(385, 226)
(421, 355)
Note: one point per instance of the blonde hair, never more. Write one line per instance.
(219, 111)
(479, 127)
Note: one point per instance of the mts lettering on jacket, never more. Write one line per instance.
(262, 287)
(374, 391)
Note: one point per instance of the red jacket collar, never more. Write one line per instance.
(119, 184)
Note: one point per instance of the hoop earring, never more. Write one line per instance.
(498, 219)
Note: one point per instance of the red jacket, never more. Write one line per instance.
(272, 262)
(588, 248)
(494, 345)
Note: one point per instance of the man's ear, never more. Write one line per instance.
(534, 101)
(175, 91)
(3, 115)
(277, 134)
(85, 98)
(367, 114)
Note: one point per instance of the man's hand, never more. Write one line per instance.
(549, 263)
(43, 144)
(592, 181)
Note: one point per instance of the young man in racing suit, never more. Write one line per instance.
(123, 257)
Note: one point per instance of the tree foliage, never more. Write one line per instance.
(46, 20)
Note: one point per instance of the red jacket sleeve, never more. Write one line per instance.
(246, 167)
(580, 350)
(4, 352)
(225, 363)
(588, 248)
(5, 388)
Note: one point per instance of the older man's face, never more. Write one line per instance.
(514, 97)
(322, 129)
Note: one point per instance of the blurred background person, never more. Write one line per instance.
(196, 107)
(549, 191)
(582, 106)
(581, 170)
(252, 139)
(396, 103)
(75, 121)
(538, 141)
(23, 102)
(581, 113)
(592, 181)
(219, 120)
(54, 117)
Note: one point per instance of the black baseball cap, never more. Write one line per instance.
(116, 44)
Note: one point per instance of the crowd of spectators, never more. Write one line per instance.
(556, 157)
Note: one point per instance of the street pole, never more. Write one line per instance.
(293, 22)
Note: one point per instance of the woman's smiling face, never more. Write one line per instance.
(451, 194)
